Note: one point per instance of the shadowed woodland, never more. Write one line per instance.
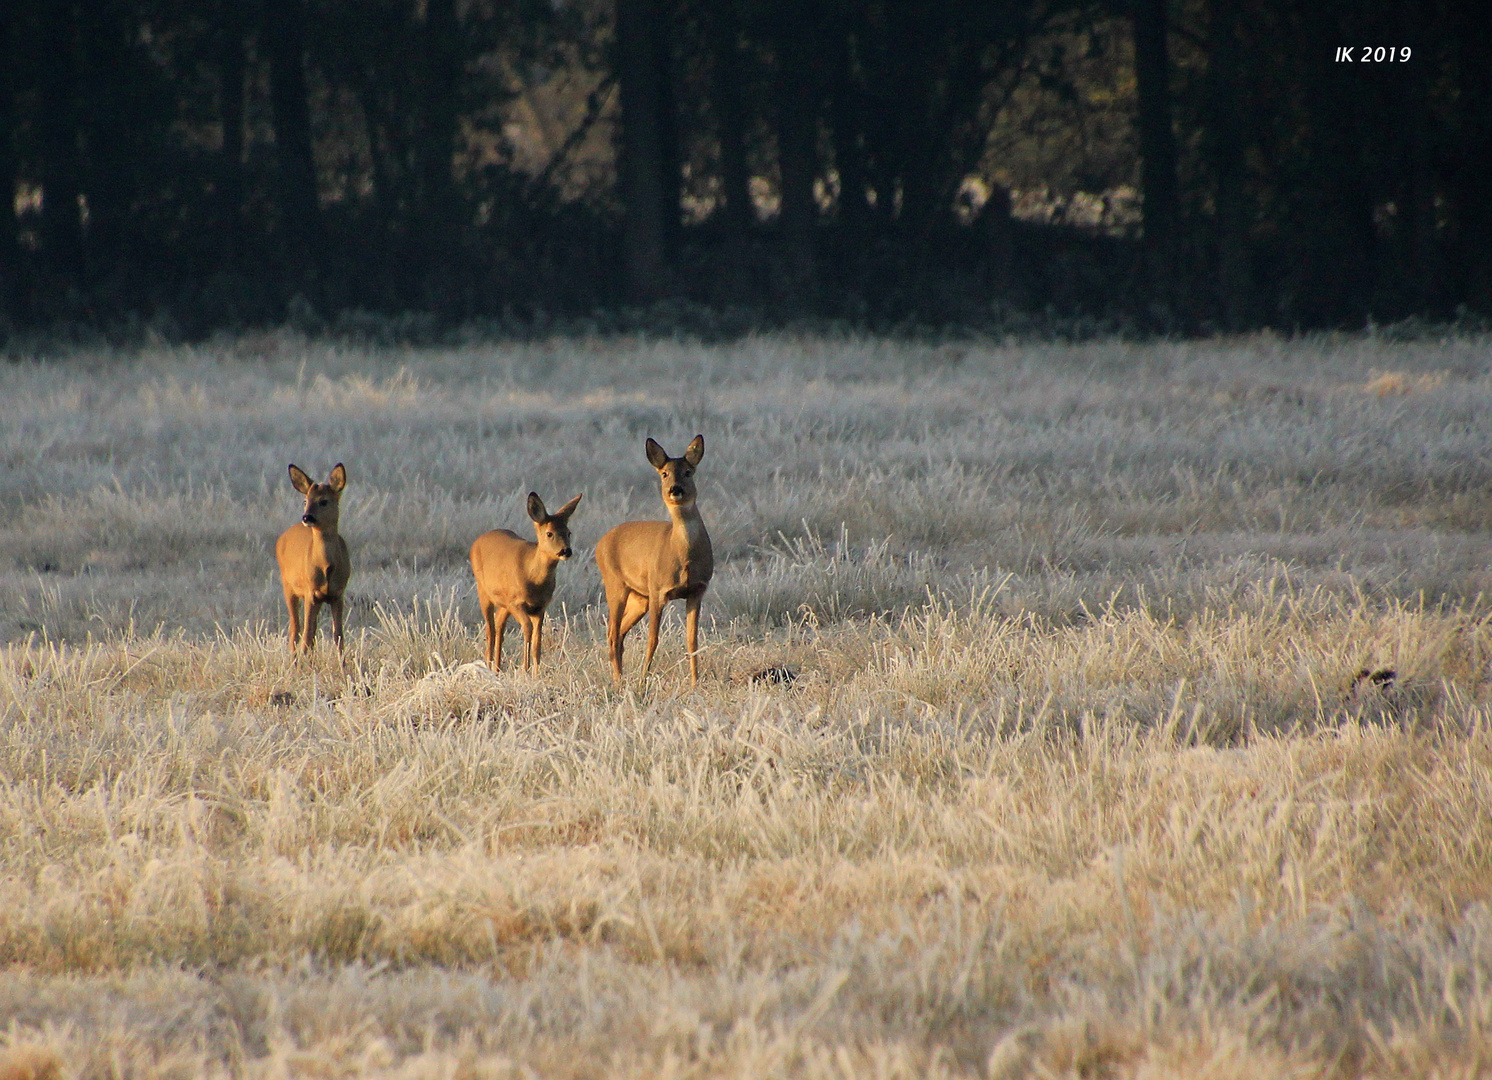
(1180, 167)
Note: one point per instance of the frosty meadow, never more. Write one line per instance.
(1093, 710)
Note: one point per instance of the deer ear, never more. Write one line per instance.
(565, 511)
(696, 450)
(299, 480)
(338, 478)
(536, 511)
(657, 456)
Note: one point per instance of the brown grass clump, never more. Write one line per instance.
(1394, 383)
(1072, 712)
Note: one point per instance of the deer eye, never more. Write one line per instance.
(322, 503)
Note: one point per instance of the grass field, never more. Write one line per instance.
(1060, 764)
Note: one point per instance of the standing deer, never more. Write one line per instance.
(314, 564)
(645, 564)
(515, 577)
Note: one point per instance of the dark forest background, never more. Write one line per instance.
(1169, 165)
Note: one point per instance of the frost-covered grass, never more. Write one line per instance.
(1060, 764)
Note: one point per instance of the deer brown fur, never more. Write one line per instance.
(313, 558)
(515, 577)
(645, 564)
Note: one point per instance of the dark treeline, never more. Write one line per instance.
(1180, 165)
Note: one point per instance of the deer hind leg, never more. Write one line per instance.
(336, 606)
(624, 617)
(500, 619)
(489, 611)
(614, 609)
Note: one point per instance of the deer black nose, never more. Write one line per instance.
(676, 492)
(307, 519)
(565, 554)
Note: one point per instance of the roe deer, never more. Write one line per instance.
(515, 577)
(645, 564)
(314, 564)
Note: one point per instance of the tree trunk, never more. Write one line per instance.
(232, 64)
(915, 36)
(1234, 285)
(375, 124)
(57, 130)
(284, 40)
(848, 109)
(881, 98)
(10, 248)
(1157, 140)
(438, 148)
(107, 126)
(1339, 249)
(797, 146)
(1473, 208)
(1424, 263)
(643, 165)
(998, 223)
(672, 175)
(730, 114)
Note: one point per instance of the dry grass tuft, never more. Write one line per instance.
(1392, 383)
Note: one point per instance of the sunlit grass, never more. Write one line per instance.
(1030, 740)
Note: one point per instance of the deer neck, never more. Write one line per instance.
(322, 535)
(539, 567)
(688, 527)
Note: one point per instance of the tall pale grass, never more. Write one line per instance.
(1056, 761)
